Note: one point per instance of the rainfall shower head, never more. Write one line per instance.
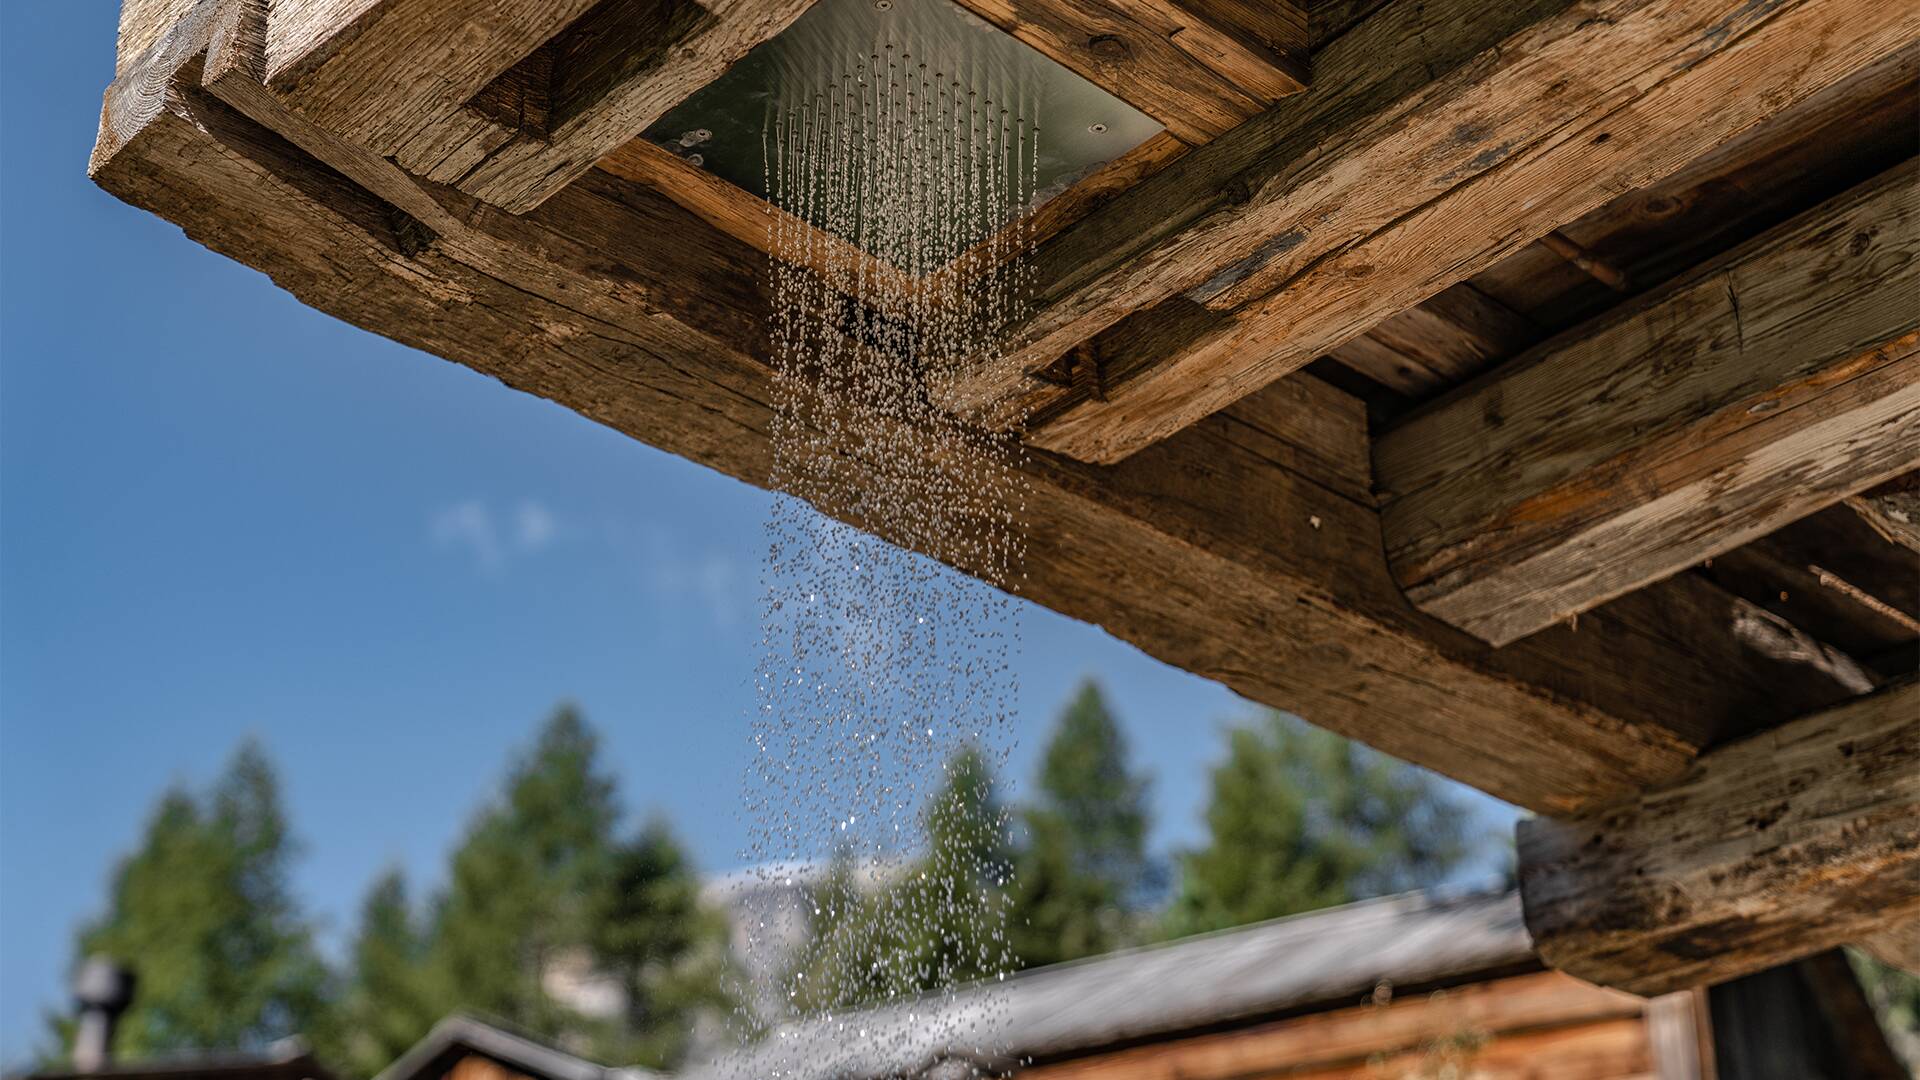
(842, 55)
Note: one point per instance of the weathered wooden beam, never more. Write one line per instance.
(1773, 848)
(1893, 510)
(384, 73)
(1898, 946)
(588, 91)
(1248, 550)
(1200, 67)
(1441, 138)
(1773, 381)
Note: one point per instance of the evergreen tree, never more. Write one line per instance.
(668, 950)
(543, 886)
(941, 923)
(386, 1009)
(1084, 864)
(203, 915)
(1302, 819)
(523, 882)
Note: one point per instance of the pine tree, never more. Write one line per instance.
(1301, 819)
(651, 930)
(941, 923)
(543, 885)
(1084, 864)
(386, 1008)
(203, 914)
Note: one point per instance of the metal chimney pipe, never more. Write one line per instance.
(101, 992)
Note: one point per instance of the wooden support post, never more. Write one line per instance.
(1773, 848)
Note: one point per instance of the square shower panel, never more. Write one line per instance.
(725, 127)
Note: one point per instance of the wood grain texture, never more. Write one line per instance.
(1898, 946)
(1451, 337)
(1200, 67)
(141, 24)
(1232, 553)
(616, 70)
(1430, 152)
(1893, 510)
(1467, 1017)
(1773, 381)
(1792, 841)
(380, 73)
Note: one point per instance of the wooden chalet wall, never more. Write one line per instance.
(1525, 389)
(1543, 1024)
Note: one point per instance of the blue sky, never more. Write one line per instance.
(224, 514)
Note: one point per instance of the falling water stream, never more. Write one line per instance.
(885, 682)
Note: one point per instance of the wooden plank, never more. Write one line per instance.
(1247, 550)
(1606, 1050)
(1469, 1014)
(746, 218)
(616, 70)
(1827, 144)
(1776, 380)
(1200, 67)
(380, 73)
(1678, 1036)
(1835, 577)
(1893, 510)
(141, 24)
(1444, 138)
(1773, 848)
(1443, 342)
(1898, 946)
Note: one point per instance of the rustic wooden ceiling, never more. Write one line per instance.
(1525, 389)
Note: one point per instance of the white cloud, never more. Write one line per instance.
(495, 539)
(534, 526)
(469, 525)
(712, 579)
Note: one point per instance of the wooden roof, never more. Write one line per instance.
(1526, 389)
(1323, 959)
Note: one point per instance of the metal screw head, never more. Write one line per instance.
(883, 5)
(1097, 128)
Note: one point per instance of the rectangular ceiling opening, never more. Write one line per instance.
(854, 51)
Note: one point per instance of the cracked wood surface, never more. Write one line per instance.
(1496, 123)
(1774, 381)
(1789, 842)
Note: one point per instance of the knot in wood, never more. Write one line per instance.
(1109, 46)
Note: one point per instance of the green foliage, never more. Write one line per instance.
(543, 882)
(1302, 819)
(1084, 862)
(941, 922)
(1895, 995)
(202, 911)
(668, 950)
(386, 1007)
(522, 883)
